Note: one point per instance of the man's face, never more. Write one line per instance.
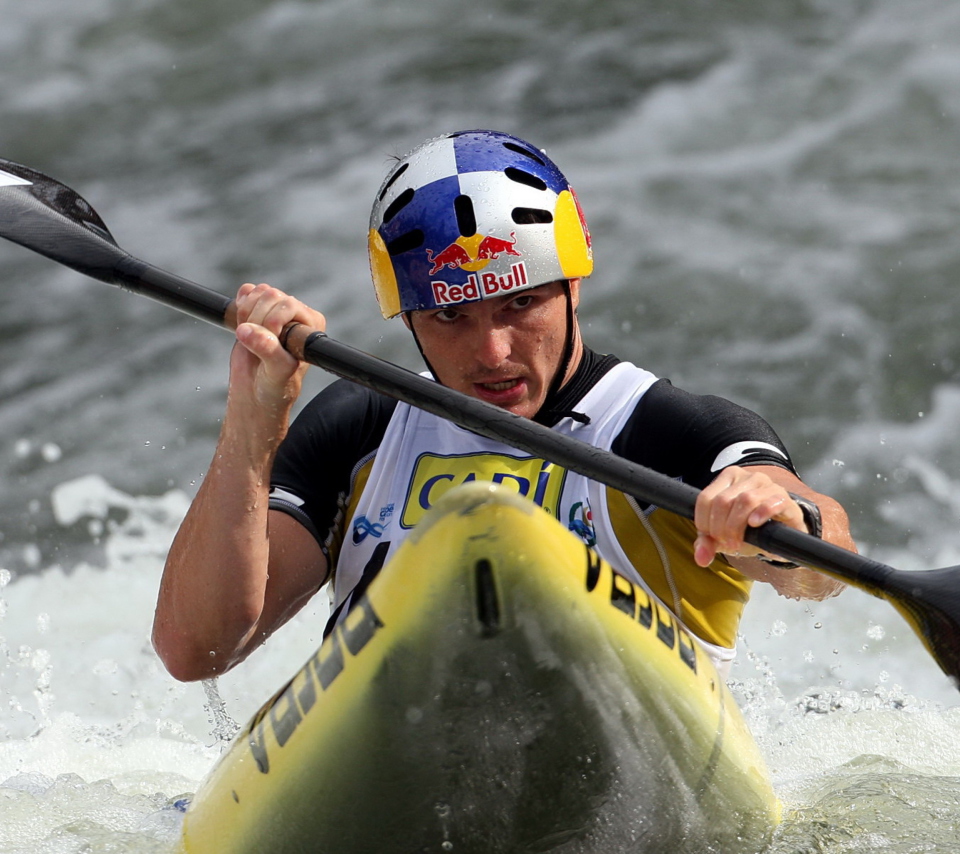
(504, 350)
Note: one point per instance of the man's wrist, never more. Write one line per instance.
(812, 518)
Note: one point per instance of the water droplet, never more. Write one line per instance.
(51, 452)
(818, 625)
(106, 667)
(40, 660)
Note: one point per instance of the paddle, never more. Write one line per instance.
(44, 215)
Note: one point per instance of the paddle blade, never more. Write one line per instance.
(48, 217)
(930, 601)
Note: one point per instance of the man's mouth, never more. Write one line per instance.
(502, 392)
(501, 386)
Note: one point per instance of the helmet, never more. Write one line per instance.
(473, 215)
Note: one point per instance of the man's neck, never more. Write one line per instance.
(590, 367)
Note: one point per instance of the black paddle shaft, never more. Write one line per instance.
(605, 467)
(929, 601)
(48, 217)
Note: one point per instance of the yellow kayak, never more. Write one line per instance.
(499, 688)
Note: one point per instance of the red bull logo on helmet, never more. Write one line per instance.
(472, 253)
(480, 286)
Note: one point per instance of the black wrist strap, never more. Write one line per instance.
(812, 518)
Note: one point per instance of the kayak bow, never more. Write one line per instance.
(499, 688)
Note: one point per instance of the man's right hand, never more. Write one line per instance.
(261, 371)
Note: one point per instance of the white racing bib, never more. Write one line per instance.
(423, 456)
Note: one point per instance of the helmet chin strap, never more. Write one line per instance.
(557, 382)
(413, 331)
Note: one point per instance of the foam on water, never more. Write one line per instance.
(97, 742)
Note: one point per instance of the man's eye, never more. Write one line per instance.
(446, 315)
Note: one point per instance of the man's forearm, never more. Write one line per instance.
(213, 587)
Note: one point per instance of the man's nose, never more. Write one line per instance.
(494, 346)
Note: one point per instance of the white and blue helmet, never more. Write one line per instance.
(473, 215)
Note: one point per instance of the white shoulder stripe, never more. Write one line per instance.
(284, 495)
(739, 451)
(8, 180)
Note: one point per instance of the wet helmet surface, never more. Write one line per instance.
(470, 216)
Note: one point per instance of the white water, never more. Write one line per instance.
(97, 743)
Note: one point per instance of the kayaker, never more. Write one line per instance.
(477, 240)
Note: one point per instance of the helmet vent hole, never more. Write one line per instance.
(398, 204)
(393, 179)
(525, 152)
(405, 242)
(531, 216)
(466, 218)
(522, 177)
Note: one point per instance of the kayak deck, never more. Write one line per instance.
(498, 688)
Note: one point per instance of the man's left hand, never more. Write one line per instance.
(739, 498)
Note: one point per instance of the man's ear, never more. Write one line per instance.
(406, 319)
